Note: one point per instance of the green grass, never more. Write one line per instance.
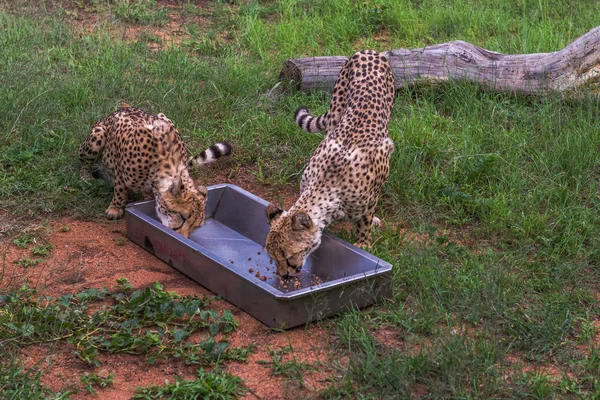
(17, 382)
(209, 385)
(286, 364)
(501, 190)
(144, 12)
(102, 380)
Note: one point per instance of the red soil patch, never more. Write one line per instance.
(549, 370)
(173, 32)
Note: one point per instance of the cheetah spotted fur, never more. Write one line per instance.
(138, 152)
(345, 175)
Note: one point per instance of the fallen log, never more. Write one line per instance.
(572, 68)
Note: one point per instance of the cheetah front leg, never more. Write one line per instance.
(120, 194)
(90, 149)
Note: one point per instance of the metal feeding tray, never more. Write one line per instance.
(227, 256)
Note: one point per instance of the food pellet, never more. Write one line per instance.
(250, 270)
(315, 280)
(249, 258)
(231, 261)
(258, 253)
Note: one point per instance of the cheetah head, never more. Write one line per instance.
(181, 207)
(291, 239)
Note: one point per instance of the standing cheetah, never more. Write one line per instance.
(138, 152)
(346, 172)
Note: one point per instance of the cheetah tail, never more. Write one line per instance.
(308, 123)
(212, 153)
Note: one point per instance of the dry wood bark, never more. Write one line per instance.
(574, 67)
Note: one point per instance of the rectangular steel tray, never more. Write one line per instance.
(220, 253)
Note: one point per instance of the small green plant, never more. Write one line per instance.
(101, 380)
(285, 363)
(123, 284)
(27, 262)
(42, 249)
(208, 385)
(150, 321)
(24, 240)
(120, 241)
(65, 228)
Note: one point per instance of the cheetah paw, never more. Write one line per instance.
(363, 245)
(376, 222)
(85, 175)
(113, 212)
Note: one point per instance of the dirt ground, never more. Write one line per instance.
(93, 254)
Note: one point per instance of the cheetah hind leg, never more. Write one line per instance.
(363, 231)
(364, 227)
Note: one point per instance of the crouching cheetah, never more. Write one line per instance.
(346, 172)
(143, 153)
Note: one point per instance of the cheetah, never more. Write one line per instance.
(138, 152)
(345, 175)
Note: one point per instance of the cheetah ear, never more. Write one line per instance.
(160, 126)
(272, 212)
(176, 187)
(162, 117)
(301, 221)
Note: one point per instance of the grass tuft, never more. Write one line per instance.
(208, 385)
